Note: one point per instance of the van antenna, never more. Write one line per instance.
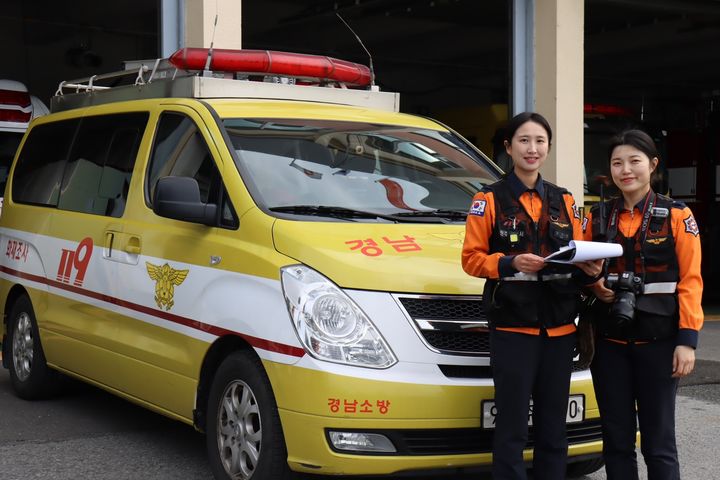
(372, 70)
(207, 72)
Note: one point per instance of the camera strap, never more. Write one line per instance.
(640, 236)
(647, 215)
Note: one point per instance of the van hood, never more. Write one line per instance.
(407, 257)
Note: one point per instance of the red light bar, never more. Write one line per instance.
(268, 62)
(612, 110)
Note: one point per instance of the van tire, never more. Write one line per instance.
(30, 376)
(252, 431)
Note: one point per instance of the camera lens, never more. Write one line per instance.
(623, 308)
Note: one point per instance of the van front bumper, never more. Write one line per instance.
(421, 444)
(430, 426)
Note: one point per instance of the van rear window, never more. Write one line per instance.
(80, 165)
(39, 171)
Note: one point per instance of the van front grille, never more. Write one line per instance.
(465, 342)
(453, 325)
(450, 325)
(444, 308)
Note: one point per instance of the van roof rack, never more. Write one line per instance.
(250, 74)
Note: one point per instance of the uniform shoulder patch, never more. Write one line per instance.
(585, 224)
(691, 225)
(478, 207)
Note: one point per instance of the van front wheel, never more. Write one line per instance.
(30, 376)
(244, 435)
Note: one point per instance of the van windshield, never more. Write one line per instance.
(291, 165)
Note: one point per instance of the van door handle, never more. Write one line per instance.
(133, 246)
(109, 242)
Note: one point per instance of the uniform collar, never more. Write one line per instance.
(640, 206)
(517, 187)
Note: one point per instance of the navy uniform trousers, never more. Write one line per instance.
(524, 366)
(626, 375)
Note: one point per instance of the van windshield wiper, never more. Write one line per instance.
(332, 211)
(344, 212)
(439, 213)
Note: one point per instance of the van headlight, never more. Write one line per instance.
(330, 325)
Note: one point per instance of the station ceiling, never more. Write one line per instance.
(638, 52)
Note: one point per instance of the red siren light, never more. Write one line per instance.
(269, 62)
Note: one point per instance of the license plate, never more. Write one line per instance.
(575, 411)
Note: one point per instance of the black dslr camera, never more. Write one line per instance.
(626, 286)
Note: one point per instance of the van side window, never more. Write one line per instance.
(180, 150)
(39, 170)
(97, 175)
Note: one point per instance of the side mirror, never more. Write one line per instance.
(179, 198)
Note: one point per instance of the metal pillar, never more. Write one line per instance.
(172, 26)
(522, 54)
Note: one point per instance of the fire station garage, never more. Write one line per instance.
(471, 64)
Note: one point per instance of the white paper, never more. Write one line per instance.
(582, 251)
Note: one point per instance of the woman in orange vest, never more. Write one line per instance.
(531, 307)
(648, 329)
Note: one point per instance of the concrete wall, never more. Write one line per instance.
(559, 59)
(200, 28)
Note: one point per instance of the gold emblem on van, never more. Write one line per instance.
(166, 279)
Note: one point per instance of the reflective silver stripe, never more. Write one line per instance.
(557, 276)
(660, 287)
(533, 277)
(521, 277)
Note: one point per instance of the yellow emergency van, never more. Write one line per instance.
(259, 245)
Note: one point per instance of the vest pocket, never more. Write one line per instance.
(513, 304)
(562, 302)
(657, 304)
(655, 317)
